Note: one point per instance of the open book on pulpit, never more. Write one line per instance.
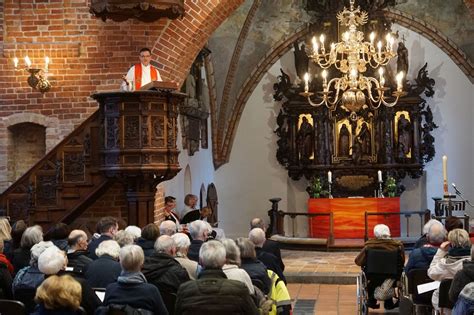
(159, 86)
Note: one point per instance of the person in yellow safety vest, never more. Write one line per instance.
(279, 295)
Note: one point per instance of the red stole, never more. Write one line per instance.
(138, 75)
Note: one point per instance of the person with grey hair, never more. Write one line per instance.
(29, 278)
(254, 267)
(199, 231)
(383, 241)
(257, 237)
(124, 238)
(182, 245)
(135, 231)
(213, 291)
(449, 259)
(420, 258)
(269, 246)
(167, 227)
(163, 271)
(21, 256)
(131, 287)
(77, 254)
(424, 238)
(106, 269)
(53, 261)
(231, 267)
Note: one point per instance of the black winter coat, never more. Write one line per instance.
(164, 272)
(461, 278)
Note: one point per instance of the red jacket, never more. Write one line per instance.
(4, 260)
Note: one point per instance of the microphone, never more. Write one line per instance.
(456, 189)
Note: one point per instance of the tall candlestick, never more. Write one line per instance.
(379, 175)
(46, 63)
(445, 175)
(15, 62)
(306, 82)
(330, 177)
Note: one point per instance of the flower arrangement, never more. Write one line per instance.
(391, 186)
(315, 188)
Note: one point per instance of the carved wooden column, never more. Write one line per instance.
(138, 144)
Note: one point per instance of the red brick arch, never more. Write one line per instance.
(181, 40)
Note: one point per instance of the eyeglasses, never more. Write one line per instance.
(145, 56)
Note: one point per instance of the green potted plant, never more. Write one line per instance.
(315, 188)
(391, 186)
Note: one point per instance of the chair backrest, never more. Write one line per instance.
(26, 296)
(415, 278)
(383, 262)
(444, 300)
(10, 307)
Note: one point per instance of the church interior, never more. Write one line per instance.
(289, 111)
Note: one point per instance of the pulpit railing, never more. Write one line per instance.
(423, 215)
(281, 217)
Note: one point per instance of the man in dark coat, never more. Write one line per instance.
(199, 233)
(107, 227)
(77, 254)
(269, 245)
(257, 237)
(164, 272)
(213, 293)
(420, 258)
(106, 269)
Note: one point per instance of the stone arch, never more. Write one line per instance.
(182, 39)
(51, 125)
(222, 154)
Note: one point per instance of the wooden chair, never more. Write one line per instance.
(11, 307)
(422, 302)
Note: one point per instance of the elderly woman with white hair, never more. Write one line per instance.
(21, 256)
(53, 261)
(106, 269)
(384, 241)
(131, 287)
(232, 265)
(182, 245)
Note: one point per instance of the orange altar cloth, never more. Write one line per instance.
(348, 213)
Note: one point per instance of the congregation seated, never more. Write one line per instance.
(269, 246)
(420, 258)
(167, 227)
(382, 241)
(107, 227)
(135, 231)
(58, 234)
(255, 268)
(462, 277)
(77, 254)
(58, 295)
(124, 238)
(21, 256)
(232, 264)
(148, 238)
(424, 238)
(257, 237)
(131, 287)
(212, 292)
(28, 279)
(449, 259)
(53, 261)
(106, 268)
(199, 232)
(162, 270)
(182, 245)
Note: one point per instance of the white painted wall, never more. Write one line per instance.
(253, 175)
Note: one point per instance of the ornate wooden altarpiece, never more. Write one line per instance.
(314, 140)
(142, 10)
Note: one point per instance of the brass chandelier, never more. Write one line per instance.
(352, 56)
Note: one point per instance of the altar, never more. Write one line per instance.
(349, 216)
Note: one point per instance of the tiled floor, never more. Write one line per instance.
(322, 299)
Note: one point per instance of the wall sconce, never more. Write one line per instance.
(38, 78)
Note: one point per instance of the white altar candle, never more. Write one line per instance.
(330, 177)
(445, 168)
(379, 174)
